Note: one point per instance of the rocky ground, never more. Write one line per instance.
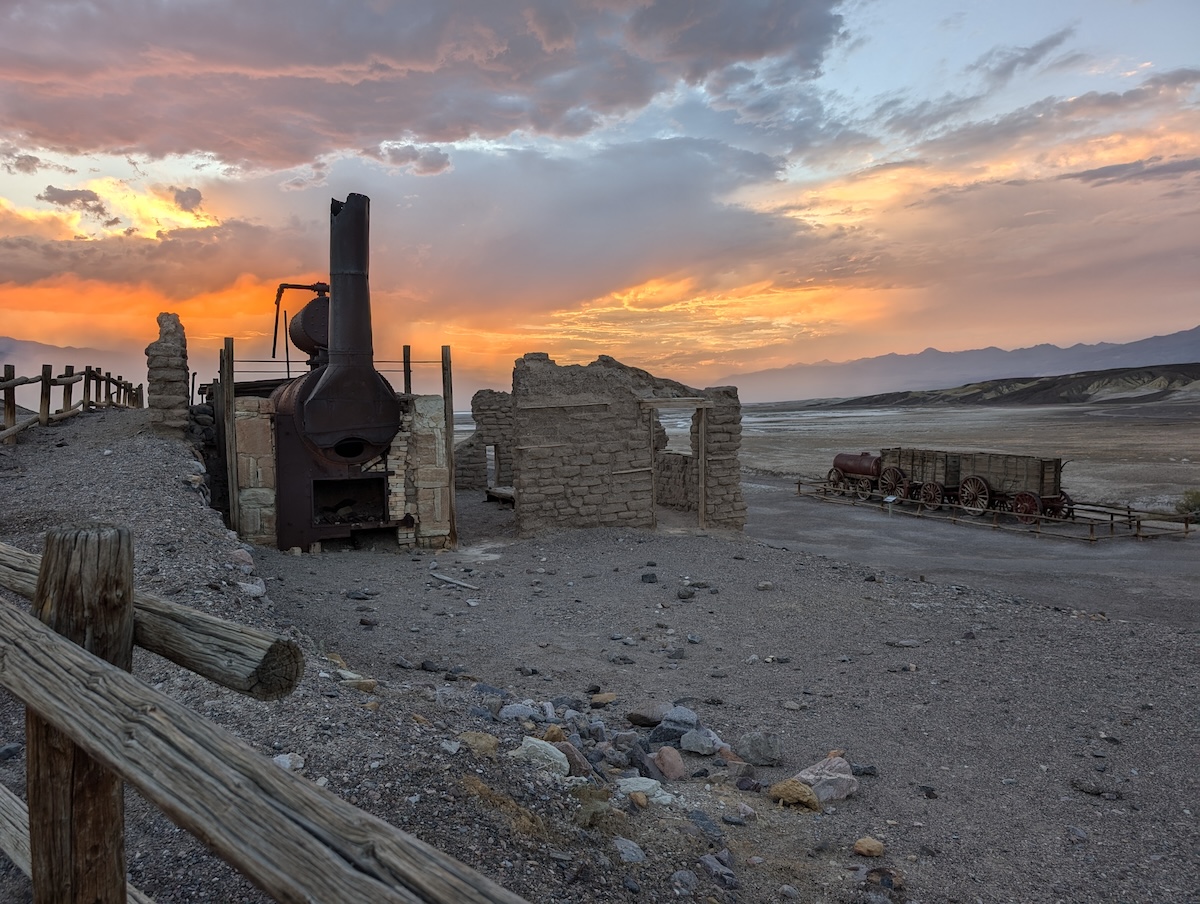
(1003, 749)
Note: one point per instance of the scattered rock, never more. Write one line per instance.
(720, 873)
(542, 756)
(791, 792)
(670, 763)
(648, 714)
(630, 851)
(869, 847)
(760, 748)
(831, 779)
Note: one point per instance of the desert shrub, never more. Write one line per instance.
(1189, 504)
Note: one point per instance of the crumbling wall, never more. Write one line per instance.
(588, 443)
(253, 420)
(420, 495)
(492, 412)
(675, 479)
(169, 378)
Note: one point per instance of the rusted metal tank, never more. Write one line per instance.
(864, 464)
(334, 424)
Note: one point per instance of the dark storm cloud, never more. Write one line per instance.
(83, 199)
(524, 231)
(180, 263)
(1138, 171)
(169, 78)
(186, 198)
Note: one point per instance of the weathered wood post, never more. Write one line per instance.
(448, 407)
(76, 806)
(68, 372)
(407, 369)
(47, 382)
(10, 401)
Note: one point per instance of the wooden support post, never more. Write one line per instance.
(47, 382)
(448, 406)
(10, 402)
(68, 371)
(108, 393)
(228, 415)
(76, 806)
(407, 369)
(87, 388)
(702, 465)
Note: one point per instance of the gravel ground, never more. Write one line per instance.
(1020, 752)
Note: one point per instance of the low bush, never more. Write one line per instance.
(1189, 504)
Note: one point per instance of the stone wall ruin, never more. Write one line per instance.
(170, 391)
(588, 448)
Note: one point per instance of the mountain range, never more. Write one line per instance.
(933, 369)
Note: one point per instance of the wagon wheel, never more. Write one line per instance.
(837, 481)
(1027, 507)
(931, 496)
(1061, 507)
(902, 489)
(863, 488)
(889, 482)
(974, 495)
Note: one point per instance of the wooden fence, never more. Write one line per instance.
(89, 719)
(100, 390)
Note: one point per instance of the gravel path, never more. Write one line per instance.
(1015, 752)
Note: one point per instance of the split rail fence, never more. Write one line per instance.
(100, 390)
(92, 726)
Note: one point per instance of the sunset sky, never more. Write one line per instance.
(697, 188)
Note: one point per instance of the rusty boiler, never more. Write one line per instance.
(335, 424)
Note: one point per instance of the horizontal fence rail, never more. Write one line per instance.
(100, 390)
(295, 841)
(253, 662)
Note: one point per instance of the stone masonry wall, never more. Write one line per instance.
(419, 493)
(583, 457)
(423, 472)
(675, 480)
(170, 390)
(492, 412)
(254, 427)
(725, 505)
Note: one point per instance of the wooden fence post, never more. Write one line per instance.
(407, 369)
(87, 389)
(76, 806)
(47, 382)
(68, 371)
(108, 386)
(448, 407)
(228, 414)
(10, 401)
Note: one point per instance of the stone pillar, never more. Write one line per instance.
(169, 377)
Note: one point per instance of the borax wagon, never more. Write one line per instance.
(1028, 487)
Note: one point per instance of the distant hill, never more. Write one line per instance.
(1143, 384)
(28, 357)
(933, 369)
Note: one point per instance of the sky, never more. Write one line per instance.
(700, 188)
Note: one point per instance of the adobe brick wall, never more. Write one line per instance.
(582, 453)
(492, 412)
